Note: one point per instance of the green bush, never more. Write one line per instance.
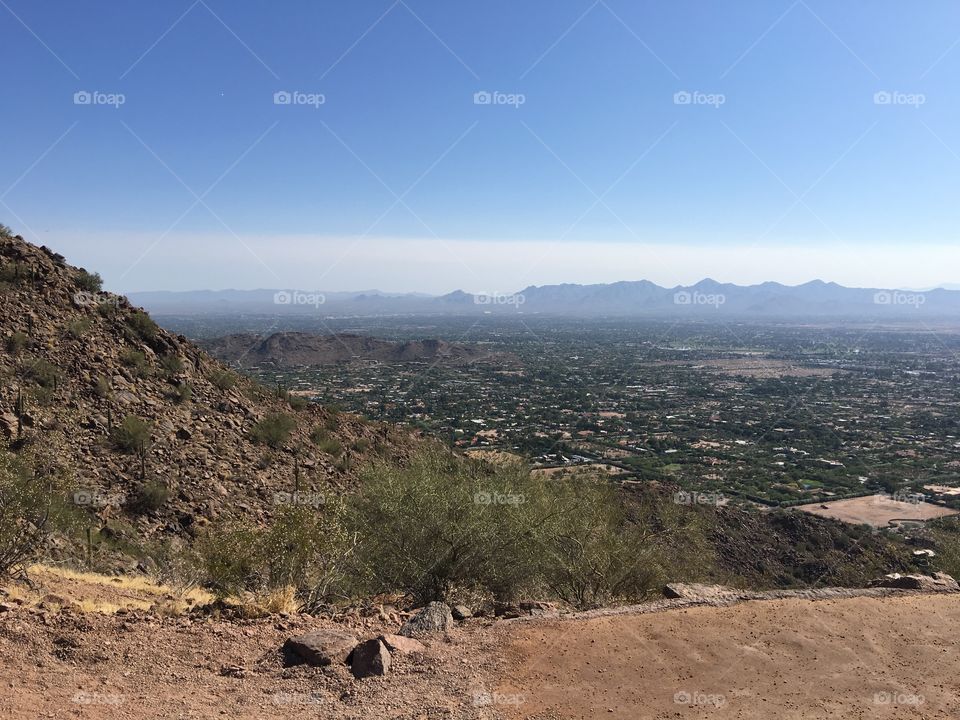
(151, 497)
(222, 379)
(230, 558)
(171, 365)
(28, 506)
(181, 394)
(17, 342)
(101, 388)
(273, 430)
(91, 282)
(131, 436)
(78, 328)
(325, 442)
(142, 326)
(44, 374)
(5, 232)
(136, 361)
(297, 402)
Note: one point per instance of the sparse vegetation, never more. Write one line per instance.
(90, 282)
(17, 342)
(77, 328)
(171, 364)
(142, 325)
(43, 373)
(181, 394)
(222, 379)
(136, 361)
(325, 442)
(151, 497)
(132, 435)
(28, 505)
(273, 430)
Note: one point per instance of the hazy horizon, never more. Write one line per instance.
(417, 146)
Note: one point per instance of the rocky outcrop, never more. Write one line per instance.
(435, 617)
(319, 648)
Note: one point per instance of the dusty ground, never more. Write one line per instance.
(892, 657)
(858, 657)
(876, 510)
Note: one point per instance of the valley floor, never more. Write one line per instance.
(849, 656)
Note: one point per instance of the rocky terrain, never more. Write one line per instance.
(706, 652)
(199, 441)
(295, 349)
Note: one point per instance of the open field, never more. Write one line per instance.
(877, 510)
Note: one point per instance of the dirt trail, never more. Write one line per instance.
(814, 654)
(863, 657)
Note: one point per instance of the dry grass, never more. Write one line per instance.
(103, 594)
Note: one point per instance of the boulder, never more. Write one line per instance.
(938, 582)
(401, 644)
(370, 658)
(322, 647)
(461, 612)
(435, 617)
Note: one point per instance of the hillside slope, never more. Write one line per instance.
(296, 349)
(76, 362)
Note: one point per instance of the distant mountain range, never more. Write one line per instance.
(708, 298)
(296, 349)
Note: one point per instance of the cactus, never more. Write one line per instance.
(20, 410)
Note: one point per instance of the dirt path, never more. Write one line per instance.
(865, 657)
(815, 654)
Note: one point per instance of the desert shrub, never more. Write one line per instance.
(91, 282)
(5, 232)
(440, 523)
(297, 402)
(78, 328)
(141, 325)
(28, 506)
(181, 394)
(445, 524)
(101, 387)
(136, 361)
(229, 557)
(310, 549)
(132, 435)
(151, 497)
(273, 430)
(360, 445)
(171, 364)
(44, 374)
(222, 379)
(325, 442)
(17, 342)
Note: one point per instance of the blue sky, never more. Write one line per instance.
(785, 163)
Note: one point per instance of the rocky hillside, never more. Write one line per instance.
(159, 437)
(295, 349)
